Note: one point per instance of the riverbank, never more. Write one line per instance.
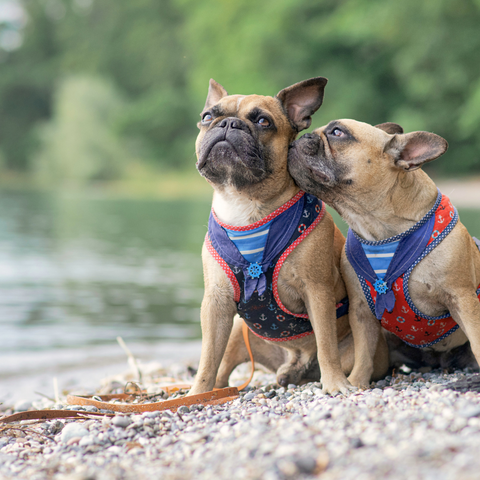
(154, 184)
(410, 426)
(462, 192)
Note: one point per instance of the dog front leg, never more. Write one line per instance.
(321, 311)
(366, 332)
(465, 310)
(265, 353)
(217, 312)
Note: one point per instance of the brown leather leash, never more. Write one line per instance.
(214, 397)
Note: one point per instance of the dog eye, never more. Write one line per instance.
(336, 132)
(262, 121)
(207, 118)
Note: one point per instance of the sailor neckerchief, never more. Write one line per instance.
(388, 296)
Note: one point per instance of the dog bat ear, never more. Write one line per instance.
(302, 100)
(390, 127)
(215, 93)
(412, 150)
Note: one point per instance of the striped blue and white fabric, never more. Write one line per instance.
(251, 243)
(380, 256)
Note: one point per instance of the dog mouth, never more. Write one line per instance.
(222, 145)
(307, 163)
(232, 156)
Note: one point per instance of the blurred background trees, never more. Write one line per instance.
(89, 88)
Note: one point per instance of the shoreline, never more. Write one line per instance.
(463, 193)
(82, 369)
(407, 426)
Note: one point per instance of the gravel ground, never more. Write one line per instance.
(415, 426)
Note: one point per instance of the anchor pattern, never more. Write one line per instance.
(265, 315)
(405, 320)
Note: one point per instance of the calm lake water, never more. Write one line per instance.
(76, 272)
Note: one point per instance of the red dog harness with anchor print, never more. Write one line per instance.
(389, 298)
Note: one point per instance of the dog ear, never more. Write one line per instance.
(390, 127)
(412, 150)
(302, 100)
(215, 93)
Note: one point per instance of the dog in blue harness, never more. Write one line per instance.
(412, 270)
(271, 254)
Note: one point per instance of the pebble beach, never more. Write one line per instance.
(410, 425)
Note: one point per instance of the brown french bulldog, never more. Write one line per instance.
(242, 152)
(409, 264)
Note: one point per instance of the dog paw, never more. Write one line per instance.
(283, 380)
(359, 381)
(340, 385)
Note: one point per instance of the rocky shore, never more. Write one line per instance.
(416, 426)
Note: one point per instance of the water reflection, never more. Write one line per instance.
(76, 271)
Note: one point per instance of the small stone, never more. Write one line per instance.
(153, 414)
(288, 468)
(374, 402)
(55, 427)
(193, 438)
(166, 441)
(74, 440)
(306, 464)
(121, 421)
(183, 410)
(86, 441)
(114, 450)
(73, 430)
(470, 411)
(389, 392)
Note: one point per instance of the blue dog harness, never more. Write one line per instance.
(255, 282)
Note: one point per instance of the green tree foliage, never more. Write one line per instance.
(80, 143)
(414, 63)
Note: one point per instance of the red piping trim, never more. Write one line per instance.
(286, 339)
(264, 220)
(226, 269)
(284, 256)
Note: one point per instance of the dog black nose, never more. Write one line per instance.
(308, 135)
(231, 122)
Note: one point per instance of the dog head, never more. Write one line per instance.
(243, 140)
(350, 160)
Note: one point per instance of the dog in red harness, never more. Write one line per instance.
(409, 265)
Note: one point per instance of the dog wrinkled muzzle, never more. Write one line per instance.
(230, 153)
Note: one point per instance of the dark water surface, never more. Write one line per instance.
(76, 272)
